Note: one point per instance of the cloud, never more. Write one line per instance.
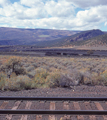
(48, 9)
(32, 13)
(10, 10)
(36, 9)
(105, 24)
(21, 12)
(4, 2)
(88, 3)
(94, 15)
(32, 3)
(59, 14)
(59, 9)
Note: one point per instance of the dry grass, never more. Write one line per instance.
(54, 72)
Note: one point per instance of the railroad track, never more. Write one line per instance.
(41, 108)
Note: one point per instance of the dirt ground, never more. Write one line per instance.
(74, 91)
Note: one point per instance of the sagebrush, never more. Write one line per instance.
(18, 73)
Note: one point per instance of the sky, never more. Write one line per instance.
(54, 14)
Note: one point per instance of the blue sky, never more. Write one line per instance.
(54, 14)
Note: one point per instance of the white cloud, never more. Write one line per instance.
(105, 24)
(3, 2)
(94, 15)
(32, 13)
(11, 10)
(52, 14)
(49, 8)
(88, 3)
(32, 3)
(60, 8)
(37, 9)
(53, 22)
(20, 12)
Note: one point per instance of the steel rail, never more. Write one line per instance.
(73, 112)
(70, 112)
(56, 98)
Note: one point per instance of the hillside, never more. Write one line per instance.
(95, 41)
(75, 40)
(17, 36)
(52, 38)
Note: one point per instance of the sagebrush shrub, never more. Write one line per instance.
(35, 65)
(13, 65)
(31, 74)
(3, 78)
(75, 77)
(30, 68)
(66, 79)
(20, 82)
(103, 76)
(87, 80)
(54, 79)
(40, 77)
(52, 71)
(24, 81)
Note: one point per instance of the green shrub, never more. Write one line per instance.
(13, 65)
(31, 74)
(103, 77)
(87, 80)
(66, 79)
(24, 81)
(3, 79)
(20, 82)
(94, 79)
(30, 68)
(40, 78)
(54, 79)
(74, 77)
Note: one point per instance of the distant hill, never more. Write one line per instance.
(76, 39)
(17, 36)
(95, 41)
(86, 35)
(52, 38)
